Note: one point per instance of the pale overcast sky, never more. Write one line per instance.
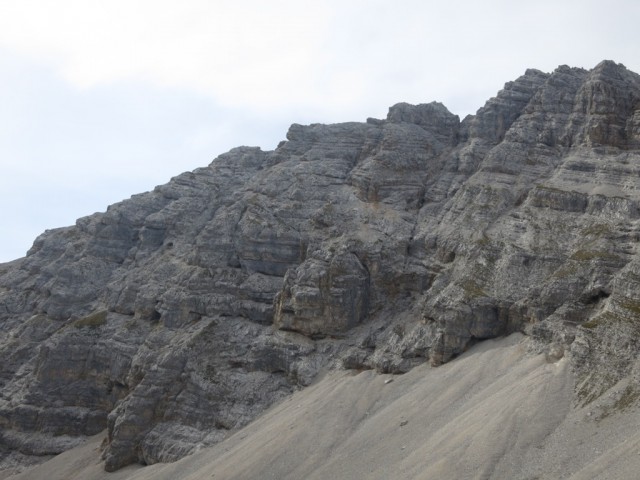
(104, 99)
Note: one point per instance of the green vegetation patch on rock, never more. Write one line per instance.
(94, 320)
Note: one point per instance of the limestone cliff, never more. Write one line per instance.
(182, 313)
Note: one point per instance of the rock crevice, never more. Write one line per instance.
(182, 313)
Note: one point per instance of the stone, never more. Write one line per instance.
(179, 315)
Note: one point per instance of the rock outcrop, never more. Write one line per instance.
(180, 314)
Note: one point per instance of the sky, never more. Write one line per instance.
(102, 100)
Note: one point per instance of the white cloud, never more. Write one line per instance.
(334, 56)
(240, 52)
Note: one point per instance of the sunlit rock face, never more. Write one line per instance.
(182, 313)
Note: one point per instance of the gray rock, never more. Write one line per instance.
(180, 314)
(324, 297)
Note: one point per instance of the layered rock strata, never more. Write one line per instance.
(180, 314)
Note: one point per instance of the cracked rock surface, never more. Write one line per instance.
(180, 314)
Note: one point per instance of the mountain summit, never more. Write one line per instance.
(178, 316)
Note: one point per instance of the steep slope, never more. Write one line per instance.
(495, 412)
(182, 313)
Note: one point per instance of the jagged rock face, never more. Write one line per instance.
(182, 313)
(324, 296)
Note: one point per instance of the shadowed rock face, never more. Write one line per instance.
(182, 313)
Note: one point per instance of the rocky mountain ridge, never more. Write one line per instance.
(179, 315)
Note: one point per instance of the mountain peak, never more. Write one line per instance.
(180, 315)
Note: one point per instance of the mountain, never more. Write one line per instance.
(180, 315)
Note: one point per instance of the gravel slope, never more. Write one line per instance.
(496, 412)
